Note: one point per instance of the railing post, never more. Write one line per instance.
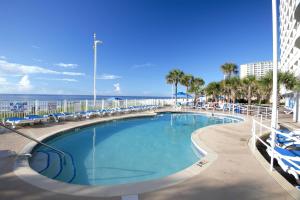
(273, 135)
(233, 108)
(65, 106)
(253, 135)
(87, 105)
(266, 112)
(102, 105)
(36, 105)
(260, 130)
(247, 107)
(126, 103)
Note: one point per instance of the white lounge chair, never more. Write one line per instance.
(16, 121)
(288, 160)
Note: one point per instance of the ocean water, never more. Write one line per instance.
(124, 151)
(44, 97)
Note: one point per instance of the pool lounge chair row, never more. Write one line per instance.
(35, 119)
(222, 107)
(287, 152)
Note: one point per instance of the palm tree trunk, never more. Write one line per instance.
(176, 93)
(187, 88)
(249, 95)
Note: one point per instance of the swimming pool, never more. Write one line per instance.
(123, 151)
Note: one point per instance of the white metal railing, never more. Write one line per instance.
(23, 108)
(258, 129)
(263, 112)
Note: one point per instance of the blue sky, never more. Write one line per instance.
(46, 46)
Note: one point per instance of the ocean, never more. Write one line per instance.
(50, 97)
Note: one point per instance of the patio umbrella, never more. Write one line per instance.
(182, 95)
(114, 98)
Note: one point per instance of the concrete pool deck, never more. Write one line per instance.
(235, 174)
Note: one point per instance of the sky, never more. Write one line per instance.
(46, 47)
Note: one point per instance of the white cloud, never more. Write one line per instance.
(73, 73)
(66, 65)
(145, 65)
(108, 77)
(16, 68)
(35, 46)
(24, 84)
(3, 81)
(58, 79)
(117, 88)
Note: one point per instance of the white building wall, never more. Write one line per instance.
(289, 52)
(257, 69)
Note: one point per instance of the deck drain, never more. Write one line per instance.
(202, 162)
(130, 197)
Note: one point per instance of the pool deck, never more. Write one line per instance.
(235, 174)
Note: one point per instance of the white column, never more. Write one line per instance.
(296, 106)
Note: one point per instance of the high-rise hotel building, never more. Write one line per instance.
(290, 48)
(257, 69)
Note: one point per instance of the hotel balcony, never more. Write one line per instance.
(297, 38)
(297, 11)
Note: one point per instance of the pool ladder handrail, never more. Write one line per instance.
(35, 140)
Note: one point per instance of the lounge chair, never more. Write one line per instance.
(287, 139)
(37, 118)
(87, 114)
(221, 107)
(57, 116)
(288, 160)
(70, 116)
(207, 107)
(288, 111)
(16, 121)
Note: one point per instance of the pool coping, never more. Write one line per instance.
(27, 174)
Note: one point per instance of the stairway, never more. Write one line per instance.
(53, 165)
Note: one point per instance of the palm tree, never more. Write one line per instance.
(173, 77)
(196, 87)
(265, 85)
(229, 69)
(287, 79)
(233, 85)
(262, 90)
(250, 84)
(213, 89)
(186, 81)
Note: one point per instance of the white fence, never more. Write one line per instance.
(264, 112)
(259, 128)
(23, 108)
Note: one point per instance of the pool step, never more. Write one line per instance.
(54, 165)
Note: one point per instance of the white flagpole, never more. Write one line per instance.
(275, 63)
(95, 65)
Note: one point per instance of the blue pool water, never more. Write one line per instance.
(123, 151)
